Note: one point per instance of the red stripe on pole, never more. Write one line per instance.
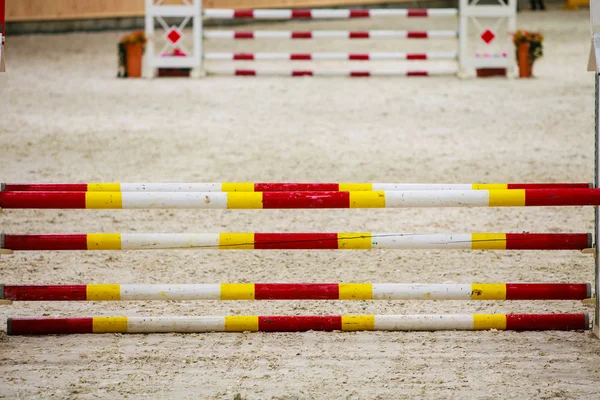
(358, 57)
(302, 73)
(545, 322)
(359, 14)
(45, 242)
(42, 199)
(417, 73)
(243, 14)
(359, 74)
(358, 35)
(296, 291)
(417, 35)
(548, 241)
(547, 291)
(301, 14)
(295, 241)
(300, 56)
(243, 35)
(45, 292)
(418, 13)
(416, 56)
(296, 187)
(299, 323)
(46, 187)
(548, 186)
(306, 200)
(301, 35)
(245, 72)
(562, 197)
(49, 326)
(243, 56)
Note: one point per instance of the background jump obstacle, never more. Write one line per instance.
(298, 291)
(297, 241)
(274, 187)
(300, 200)
(120, 324)
(468, 16)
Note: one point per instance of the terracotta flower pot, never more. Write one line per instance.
(525, 67)
(134, 53)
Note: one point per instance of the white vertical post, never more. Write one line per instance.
(149, 68)
(198, 40)
(471, 11)
(594, 65)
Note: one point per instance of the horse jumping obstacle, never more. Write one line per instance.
(298, 241)
(298, 291)
(191, 10)
(300, 200)
(121, 324)
(273, 187)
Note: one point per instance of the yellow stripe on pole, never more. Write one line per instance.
(489, 186)
(507, 198)
(109, 325)
(354, 241)
(104, 187)
(356, 291)
(237, 187)
(103, 200)
(488, 241)
(103, 241)
(236, 241)
(489, 321)
(103, 292)
(241, 324)
(355, 187)
(358, 322)
(374, 199)
(237, 291)
(488, 291)
(236, 200)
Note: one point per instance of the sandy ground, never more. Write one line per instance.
(66, 118)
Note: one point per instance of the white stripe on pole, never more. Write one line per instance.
(141, 241)
(207, 200)
(423, 322)
(399, 291)
(171, 292)
(175, 324)
(460, 241)
(171, 187)
(421, 186)
(218, 13)
(449, 198)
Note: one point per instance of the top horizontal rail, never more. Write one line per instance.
(275, 186)
(328, 13)
(301, 200)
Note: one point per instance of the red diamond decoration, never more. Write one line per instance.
(174, 35)
(487, 36)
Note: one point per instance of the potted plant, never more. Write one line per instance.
(131, 50)
(529, 48)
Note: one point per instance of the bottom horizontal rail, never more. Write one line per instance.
(468, 322)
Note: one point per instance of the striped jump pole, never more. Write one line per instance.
(373, 34)
(273, 187)
(298, 291)
(328, 13)
(329, 56)
(305, 73)
(463, 322)
(301, 200)
(297, 241)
